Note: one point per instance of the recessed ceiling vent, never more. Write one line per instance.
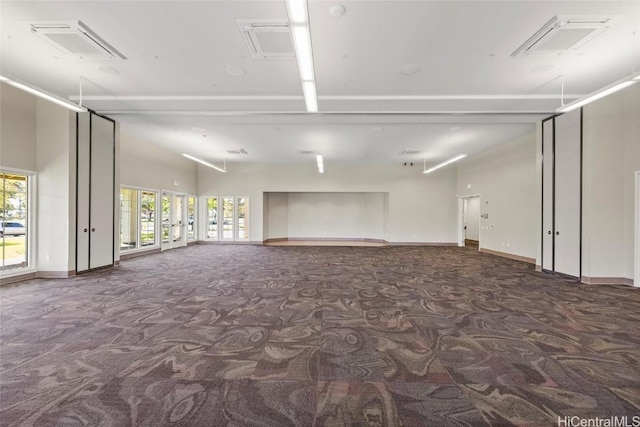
(306, 152)
(238, 152)
(410, 152)
(266, 39)
(563, 35)
(75, 38)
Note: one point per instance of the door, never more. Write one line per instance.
(547, 195)
(562, 194)
(472, 219)
(228, 208)
(568, 193)
(174, 225)
(95, 198)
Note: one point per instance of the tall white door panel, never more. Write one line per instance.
(568, 171)
(102, 192)
(83, 180)
(547, 195)
(95, 192)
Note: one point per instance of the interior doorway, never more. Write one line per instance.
(174, 212)
(469, 221)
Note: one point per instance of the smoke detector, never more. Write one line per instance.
(563, 35)
(266, 39)
(75, 38)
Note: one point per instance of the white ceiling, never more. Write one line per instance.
(468, 95)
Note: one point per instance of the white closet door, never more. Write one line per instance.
(84, 167)
(568, 172)
(547, 195)
(102, 192)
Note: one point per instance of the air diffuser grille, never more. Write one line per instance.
(562, 35)
(266, 39)
(75, 38)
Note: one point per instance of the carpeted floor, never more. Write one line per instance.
(275, 336)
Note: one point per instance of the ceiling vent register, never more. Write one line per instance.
(266, 39)
(75, 38)
(563, 35)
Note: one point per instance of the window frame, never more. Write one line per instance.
(139, 246)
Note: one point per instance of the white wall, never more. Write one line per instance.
(505, 177)
(421, 208)
(276, 225)
(56, 188)
(611, 155)
(336, 215)
(145, 165)
(17, 129)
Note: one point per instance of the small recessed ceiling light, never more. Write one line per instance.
(492, 55)
(337, 10)
(107, 69)
(409, 69)
(235, 71)
(197, 129)
(542, 69)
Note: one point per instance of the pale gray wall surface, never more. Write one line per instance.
(145, 165)
(53, 214)
(17, 129)
(611, 155)
(505, 177)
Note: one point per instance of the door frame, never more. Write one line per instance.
(171, 244)
(461, 234)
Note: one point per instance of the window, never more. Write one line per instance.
(14, 220)
(242, 206)
(192, 217)
(137, 218)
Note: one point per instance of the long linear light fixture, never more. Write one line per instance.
(455, 159)
(33, 90)
(204, 162)
(299, 21)
(320, 163)
(601, 93)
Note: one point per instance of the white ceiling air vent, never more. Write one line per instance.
(562, 35)
(306, 152)
(74, 37)
(410, 152)
(240, 151)
(266, 39)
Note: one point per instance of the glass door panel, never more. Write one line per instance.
(192, 220)
(178, 236)
(166, 220)
(147, 218)
(242, 207)
(212, 218)
(227, 218)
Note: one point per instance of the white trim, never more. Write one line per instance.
(183, 236)
(636, 255)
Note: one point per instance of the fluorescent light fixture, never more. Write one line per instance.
(455, 159)
(302, 43)
(310, 98)
(601, 93)
(301, 34)
(320, 163)
(195, 159)
(297, 11)
(44, 94)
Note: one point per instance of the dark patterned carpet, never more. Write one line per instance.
(276, 336)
